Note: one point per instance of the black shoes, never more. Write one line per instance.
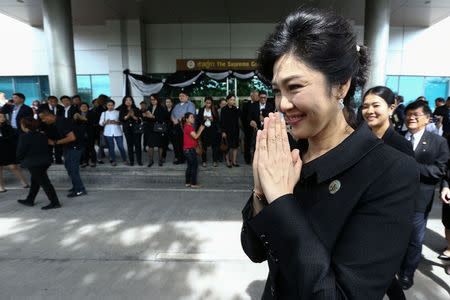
(442, 256)
(150, 164)
(140, 163)
(235, 165)
(26, 202)
(405, 282)
(76, 194)
(51, 206)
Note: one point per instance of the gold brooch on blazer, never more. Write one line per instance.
(334, 186)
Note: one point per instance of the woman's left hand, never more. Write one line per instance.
(278, 168)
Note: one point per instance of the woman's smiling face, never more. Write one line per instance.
(303, 95)
(375, 110)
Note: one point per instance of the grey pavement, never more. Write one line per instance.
(140, 234)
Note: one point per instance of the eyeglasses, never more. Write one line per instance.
(416, 115)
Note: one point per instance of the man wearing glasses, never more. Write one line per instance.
(431, 153)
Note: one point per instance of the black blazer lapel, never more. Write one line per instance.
(424, 143)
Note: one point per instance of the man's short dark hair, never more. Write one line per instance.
(52, 97)
(76, 96)
(262, 93)
(65, 97)
(183, 92)
(418, 104)
(20, 95)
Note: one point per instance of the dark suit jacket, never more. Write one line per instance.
(399, 116)
(254, 112)
(32, 150)
(46, 106)
(24, 112)
(343, 233)
(431, 154)
(397, 141)
(72, 110)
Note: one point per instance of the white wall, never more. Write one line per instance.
(412, 51)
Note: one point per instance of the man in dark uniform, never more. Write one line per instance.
(17, 111)
(58, 110)
(248, 131)
(69, 109)
(64, 132)
(431, 153)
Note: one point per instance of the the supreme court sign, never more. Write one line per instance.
(216, 64)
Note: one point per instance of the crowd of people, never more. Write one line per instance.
(78, 134)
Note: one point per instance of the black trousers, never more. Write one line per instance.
(169, 139)
(248, 136)
(134, 145)
(89, 152)
(214, 148)
(56, 153)
(40, 178)
(178, 143)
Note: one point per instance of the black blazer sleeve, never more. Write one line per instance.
(437, 170)
(23, 146)
(282, 233)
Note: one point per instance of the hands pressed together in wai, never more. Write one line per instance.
(276, 170)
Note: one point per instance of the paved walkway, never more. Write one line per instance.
(149, 241)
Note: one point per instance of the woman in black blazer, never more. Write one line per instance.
(8, 145)
(378, 104)
(207, 116)
(155, 116)
(87, 121)
(131, 118)
(332, 218)
(33, 153)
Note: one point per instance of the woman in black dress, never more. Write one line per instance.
(207, 116)
(157, 118)
(169, 107)
(8, 144)
(131, 118)
(86, 120)
(229, 124)
(333, 218)
(100, 107)
(377, 107)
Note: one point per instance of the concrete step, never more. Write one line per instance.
(141, 176)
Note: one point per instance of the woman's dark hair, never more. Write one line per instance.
(324, 41)
(30, 123)
(6, 120)
(184, 118)
(133, 105)
(213, 108)
(418, 104)
(102, 99)
(84, 103)
(383, 92)
(230, 96)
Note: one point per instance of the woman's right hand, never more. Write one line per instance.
(224, 135)
(445, 195)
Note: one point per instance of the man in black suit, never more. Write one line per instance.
(69, 109)
(431, 153)
(398, 116)
(52, 106)
(248, 131)
(57, 110)
(17, 111)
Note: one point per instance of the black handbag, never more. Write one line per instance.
(160, 127)
(138, 128)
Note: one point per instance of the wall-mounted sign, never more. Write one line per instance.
(216, 64)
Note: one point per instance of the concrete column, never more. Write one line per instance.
(126, 50)
(376, 37)
(58, 30)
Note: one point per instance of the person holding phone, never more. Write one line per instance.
(109, 120)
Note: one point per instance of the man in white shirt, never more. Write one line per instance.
(431, 153)
(69, 109)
